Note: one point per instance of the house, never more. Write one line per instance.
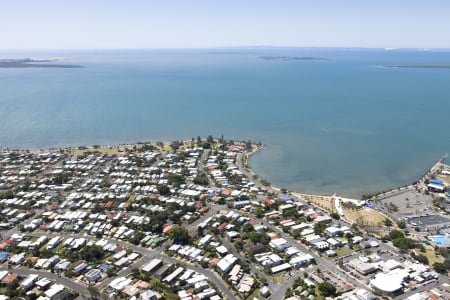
(256, 249)
(80, 267)
(93, 275)
(43, 283)
(226, 263)
(28, 282)
(322, 245)
(285, 208)
(53, 291)
(264, 291)
(17, 258)
(280, 268)
(153, 265)
(362, 267)
(301, 260)
(333, 243)
(173, 275)
(3, 256)
(148, 295)
(8, 279)
(279, 244)
(3, 274)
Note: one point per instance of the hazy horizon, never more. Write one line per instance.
(114, 24)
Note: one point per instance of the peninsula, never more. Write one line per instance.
(421, 66)
(33, 63)
(291, 58)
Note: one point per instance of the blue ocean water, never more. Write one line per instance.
(346, 124)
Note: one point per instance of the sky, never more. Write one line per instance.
(116, 24)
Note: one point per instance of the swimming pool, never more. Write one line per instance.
(440, 239)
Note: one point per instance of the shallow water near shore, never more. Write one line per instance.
(345, 124)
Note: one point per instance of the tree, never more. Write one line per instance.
(335, 216)
(395, 234)
(319, 228)
(239, 245)
(92, 253)
(401, 224)
(95, 293)
(163, 189)
(403, 243)
(422, 259)
(175, 179)
(200, 231)
(201, 179)
(247, 228)
(179, 235)
(111, 272)
(326, 289)
(387, 222)
(254, 237)
(137, 238)
(439, 267)
(258, 212)
(175, 145)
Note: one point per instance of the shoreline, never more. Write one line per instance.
(247, 155)
(334, 200)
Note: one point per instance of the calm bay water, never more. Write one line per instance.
(344, 125)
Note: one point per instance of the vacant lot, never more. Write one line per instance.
(364, 216)
(444, 178)
(324, 202)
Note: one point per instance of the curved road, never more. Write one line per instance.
(78, 287)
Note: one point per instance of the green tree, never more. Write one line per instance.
(254, 237)
(422, 259)
(401, 224)
(175, 179)
(387, 222)
(200, 231)
(395, 234)
(403, 243)
(179, 235)
(239, 245)
(326, 289)
(95, 293)
(111, 272)
(201, 179)
(319, 228)
(92, 253)
(258, 212)
(137, 238)
(442, 267)
(335, 216)
(163, 189)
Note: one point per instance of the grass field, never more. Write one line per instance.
(444, 178)
(364, 216)
(430, 254)
(343, 251)
(321, 201)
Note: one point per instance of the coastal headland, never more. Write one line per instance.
(421, 66)
(34, 63)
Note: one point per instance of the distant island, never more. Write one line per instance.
(422, 66)
(292, 58)
(33, 63)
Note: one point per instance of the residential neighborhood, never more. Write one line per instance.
(190, 220)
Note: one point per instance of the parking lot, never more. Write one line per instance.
(408, 202)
